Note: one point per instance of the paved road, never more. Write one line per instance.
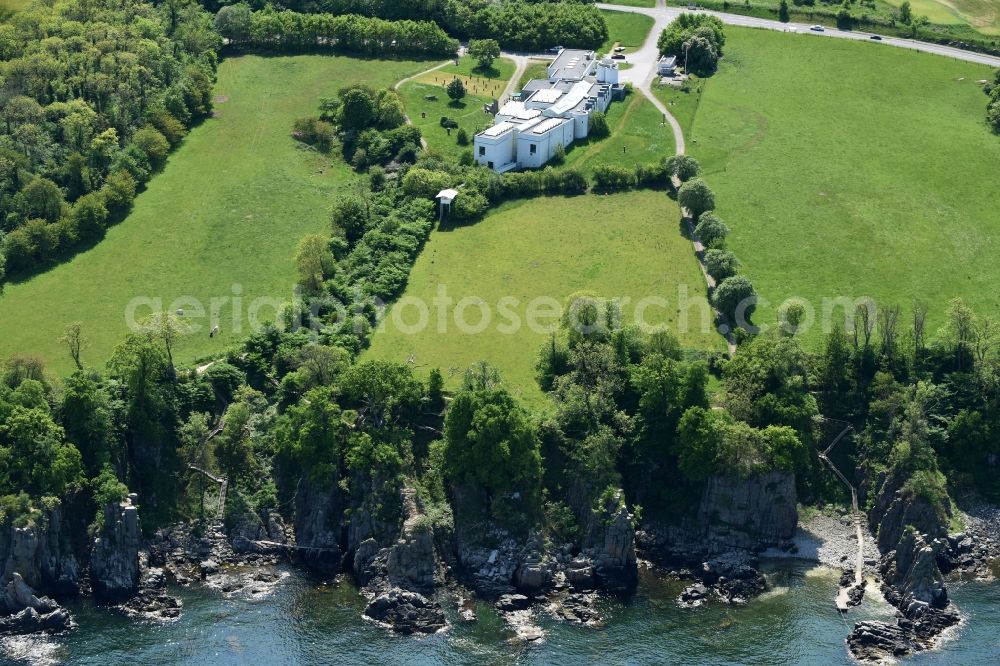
(667, 14)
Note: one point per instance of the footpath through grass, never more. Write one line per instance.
(228, 209)
(849, 169)
(623, 245)
(638, 135)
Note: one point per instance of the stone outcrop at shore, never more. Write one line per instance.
(114, 560)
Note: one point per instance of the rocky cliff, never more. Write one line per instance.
(611, 546)
(40, 554)
(912, 536)
(748, 514)
(114, 559)
(319, 511)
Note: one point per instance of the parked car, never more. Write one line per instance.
(619, 49)
(618, 56)
(877, 38)
(817, 28)
(555, 49)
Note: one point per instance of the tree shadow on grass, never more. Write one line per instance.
(490, 72)
(457, 104)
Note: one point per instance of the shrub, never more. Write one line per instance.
(425, 183)
(456, 89)
(470, 204)
(574, 182)
(153, 145)
(612, 178)
(314, 132)
(90, 215)
(462, 138)
(598, 127)
(696, 196)
(651, 175)
(711, 230)
(559, 154)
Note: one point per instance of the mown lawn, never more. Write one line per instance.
(628, 29)
(624, 245)
(851, 169)
(14, 5)
(637, 135)
(426, 101)
(225, 215)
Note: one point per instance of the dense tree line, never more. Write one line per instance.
(350, 33)
(94, 96)
(408, 27)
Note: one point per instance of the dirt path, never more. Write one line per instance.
(520, 65)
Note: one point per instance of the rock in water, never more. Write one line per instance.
(406, 612)
(114, 560)
(22, 612)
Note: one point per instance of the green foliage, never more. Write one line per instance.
(107, 488)
(315, 132)
(613, 178)
(696, 197)
(455, 89)
(736, 298)
(492, 444)
(711, 230)
(696, 40)
(598, 125)
(350, 33)
(721, 264)
(485, 51)
(684, 167)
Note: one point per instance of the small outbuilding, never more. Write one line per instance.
(666, 65)
(444, 198)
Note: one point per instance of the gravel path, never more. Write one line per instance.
(831, 541)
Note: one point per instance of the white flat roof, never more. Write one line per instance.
(572, 98)
(498, 129)
(548, 124)
(546, 96)
(517, 110)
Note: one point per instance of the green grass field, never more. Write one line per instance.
(228, 209)
(633, 3)
(629, 30)
(849, 169)
(544, 247)
(481, 86)
(637, 135)
(536, 69)
(981, 15)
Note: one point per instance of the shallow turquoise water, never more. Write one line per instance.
(303, 622)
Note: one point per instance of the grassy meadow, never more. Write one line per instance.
(544, 247)
(482, 87)
(628, 29)
(980, 15)
(637, 135)
(228, 209)
(849, 169)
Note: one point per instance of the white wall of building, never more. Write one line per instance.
(495, 152)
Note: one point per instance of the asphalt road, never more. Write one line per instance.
(662, 13)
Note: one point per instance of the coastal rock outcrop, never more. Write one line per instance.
(114, 559)
(406, 612)
(612, 555)
(23, 612)
(39, 554)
